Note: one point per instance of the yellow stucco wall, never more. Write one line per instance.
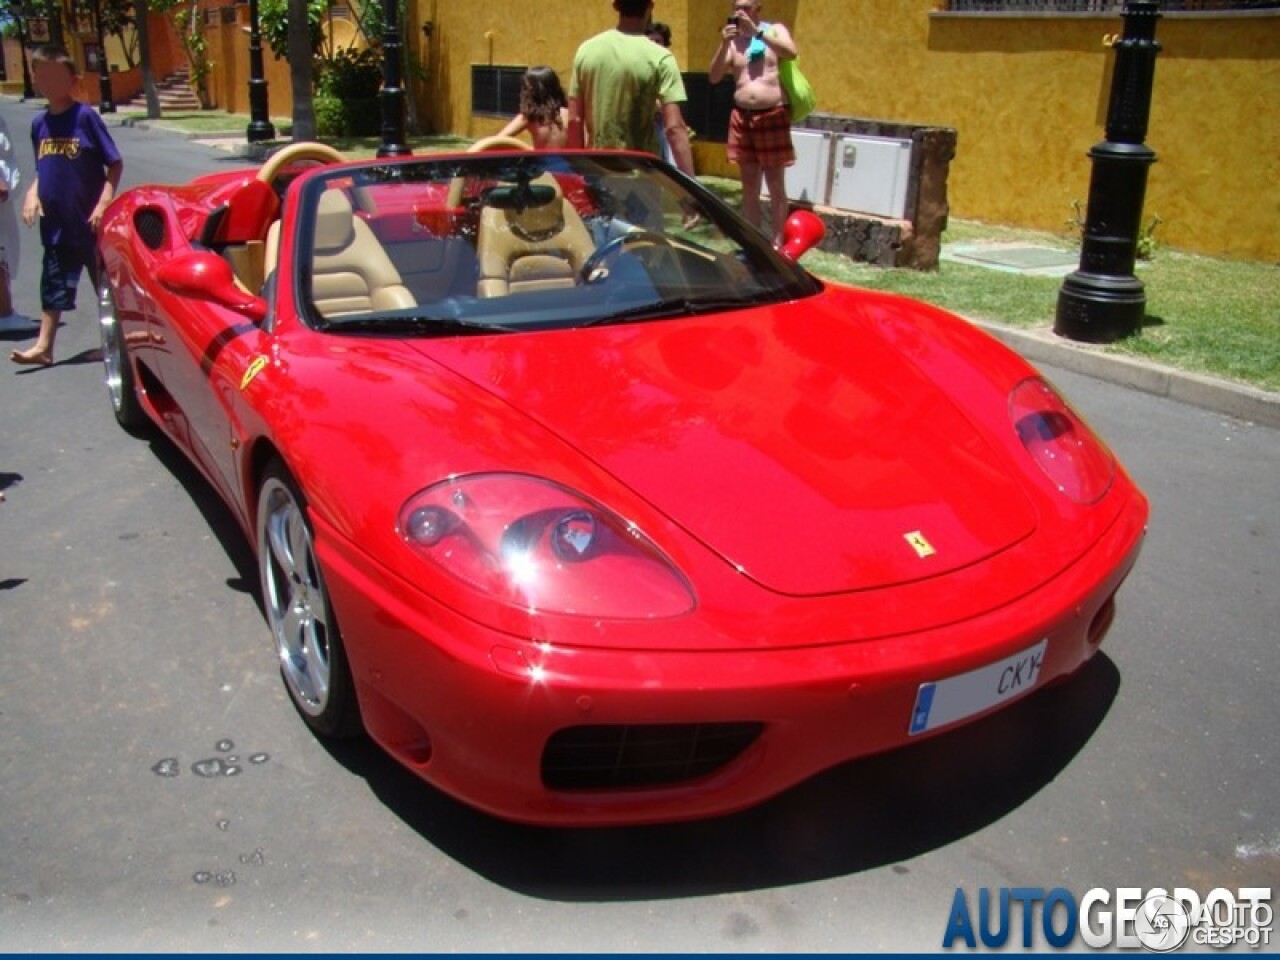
(1027, 95)
(508, 34)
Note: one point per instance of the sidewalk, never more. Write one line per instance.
(230, 140)
(1240, 401)
(1210, 393)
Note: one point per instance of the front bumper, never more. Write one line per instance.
(472, 709)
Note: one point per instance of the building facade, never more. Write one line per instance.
(1025, 85)
(1026, 90)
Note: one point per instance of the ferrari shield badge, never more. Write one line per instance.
(919, 544)
(252, 371)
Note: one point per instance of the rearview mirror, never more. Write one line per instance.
(520, 197)
(804, 231)
(200, 275)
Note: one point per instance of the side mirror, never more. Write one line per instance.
(804, 231)
(206, 276)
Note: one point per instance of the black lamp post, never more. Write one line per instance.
(28, 88)
(1103, 301)
(393, 103)
(106, 104)
(260, 126)
(54, 10)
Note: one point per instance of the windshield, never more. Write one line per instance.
(488, 243)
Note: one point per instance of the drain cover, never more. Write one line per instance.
(1020, 259)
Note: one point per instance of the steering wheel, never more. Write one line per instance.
(293, 153)
(617, 245)
(453, 199)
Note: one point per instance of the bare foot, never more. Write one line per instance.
(32, 357)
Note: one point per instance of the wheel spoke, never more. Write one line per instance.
(278, 540)
(293, 633)
(299, 547)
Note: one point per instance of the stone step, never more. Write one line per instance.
(174, 93)
(183, 105)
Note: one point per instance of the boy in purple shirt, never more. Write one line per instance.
(77, 172)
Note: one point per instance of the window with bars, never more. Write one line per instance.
(496, 91)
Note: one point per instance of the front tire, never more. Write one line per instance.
(122, 387)
(313, 662)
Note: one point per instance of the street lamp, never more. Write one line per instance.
(105, 105)
(393, 144)
(1103, 300)
(28, 88)
(54, 9)
(260, 126)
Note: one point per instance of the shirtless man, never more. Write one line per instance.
(760, 127)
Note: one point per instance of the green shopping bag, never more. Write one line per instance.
(799, 90)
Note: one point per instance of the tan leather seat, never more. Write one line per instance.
(247, 260)
(538, 248)
(271, 251)
(350, 272)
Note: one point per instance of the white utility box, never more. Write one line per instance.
(807, 177)
(871, 175)
(862, 174)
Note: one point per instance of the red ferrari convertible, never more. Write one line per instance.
(584, 501)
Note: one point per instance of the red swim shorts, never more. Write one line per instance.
(762, 137)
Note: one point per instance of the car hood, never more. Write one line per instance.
(794, 441)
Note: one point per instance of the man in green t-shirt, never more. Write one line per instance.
(618, 78)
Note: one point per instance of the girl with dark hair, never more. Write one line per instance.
(544, 110)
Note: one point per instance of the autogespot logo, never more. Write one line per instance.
(1126, 918)
(1162, 923)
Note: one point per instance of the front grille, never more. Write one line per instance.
(607, 756)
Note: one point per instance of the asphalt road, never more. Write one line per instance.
(132, 646)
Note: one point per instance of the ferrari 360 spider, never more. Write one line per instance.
(585, 501)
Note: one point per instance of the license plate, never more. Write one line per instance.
(952, 699)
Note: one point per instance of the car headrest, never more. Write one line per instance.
(335, 225)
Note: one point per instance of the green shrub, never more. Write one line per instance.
(1147, 243)
(362, 118)
(331, 116)
(351, 75)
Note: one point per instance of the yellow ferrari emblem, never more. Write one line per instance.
(919, 544)
(255, 368)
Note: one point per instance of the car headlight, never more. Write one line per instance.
(538, 546)
(1061, 444)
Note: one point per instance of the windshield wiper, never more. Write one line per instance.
(420, 325)
(672, 307)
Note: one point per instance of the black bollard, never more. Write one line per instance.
(260, 126)
(105, 103)
(1103, 301)
(393, 100)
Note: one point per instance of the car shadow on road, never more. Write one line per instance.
(861, 815)
(215, 513)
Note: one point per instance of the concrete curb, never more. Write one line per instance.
(232, 141)
(174, 131)
(1210, 393)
